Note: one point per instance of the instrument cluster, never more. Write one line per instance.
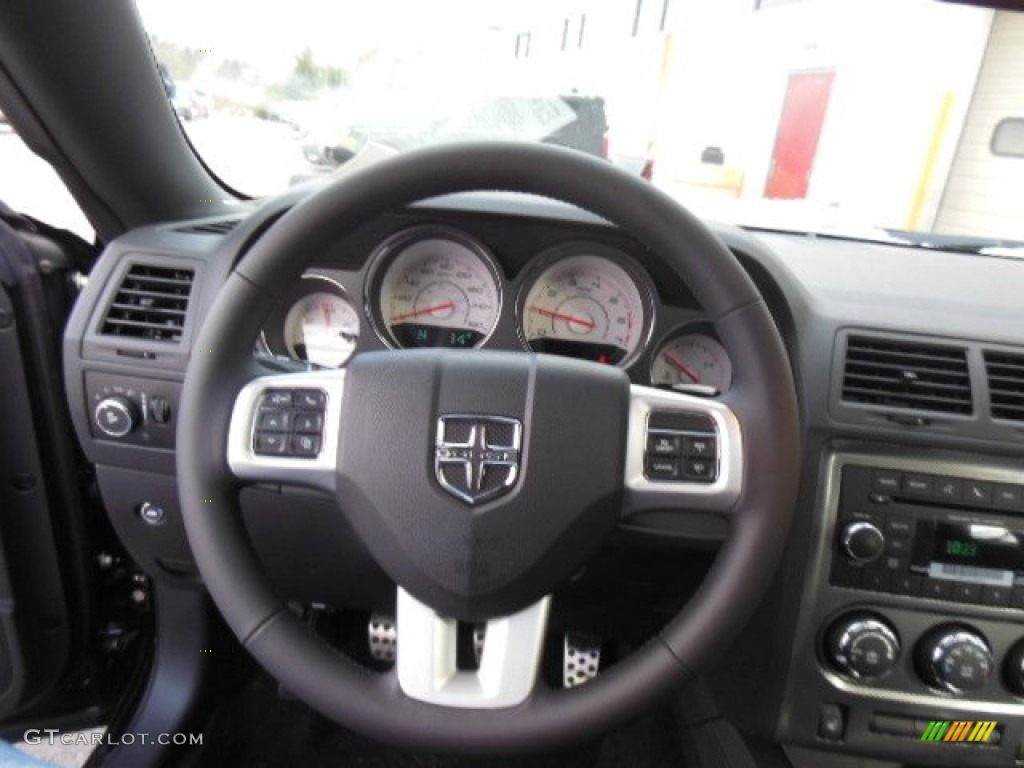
(434, 286)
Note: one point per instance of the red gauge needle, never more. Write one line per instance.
(560, 316)
(427, 311)
(682, 367)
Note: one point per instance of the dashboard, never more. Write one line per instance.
(900, 600)
(427, 284)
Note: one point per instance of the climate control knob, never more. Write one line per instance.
(116, 416)
(862, 541)
(862, 646)
(954, 658)
(1013, 668)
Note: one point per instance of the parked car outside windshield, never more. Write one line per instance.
(865, 118)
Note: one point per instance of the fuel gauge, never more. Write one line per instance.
(693, 362)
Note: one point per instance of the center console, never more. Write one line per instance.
(910, 641)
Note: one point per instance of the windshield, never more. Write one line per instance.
(882, 119)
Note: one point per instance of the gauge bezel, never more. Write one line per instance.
(272, 336)
(633, 269)
(701, 328)
(387, 253)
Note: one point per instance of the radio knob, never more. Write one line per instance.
(862, 646)
(862, 541)
(954, 658)
(116, 416)
(1013, 668)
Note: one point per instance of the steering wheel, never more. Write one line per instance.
(482, 480)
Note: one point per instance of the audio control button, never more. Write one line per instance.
(936, 589)
(977, 492)
(998, 597)
(896, 525)
(906, 584)
(966, 593)
(948, 489)
(886, 481)
(862, 541)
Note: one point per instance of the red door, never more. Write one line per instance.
(796, 143)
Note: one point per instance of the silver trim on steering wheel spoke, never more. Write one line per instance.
(707, 474)
(309, 457)
(509, 664)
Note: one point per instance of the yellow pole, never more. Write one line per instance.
(930, 160)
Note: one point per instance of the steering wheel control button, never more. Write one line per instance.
(691, 437)
(309, 423)
(295, 431)
(664, 445)
(955, 658)
(270, 444)
(116, 416)
(862, 542)
(273, 420)
(862, 646)
(310, 399)
(660, 468)
(280, 398)
(305, 446)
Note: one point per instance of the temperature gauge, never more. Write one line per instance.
(693, 362)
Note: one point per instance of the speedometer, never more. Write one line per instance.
(437, 288)
(585, 305)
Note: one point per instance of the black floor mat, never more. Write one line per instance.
(259, 729)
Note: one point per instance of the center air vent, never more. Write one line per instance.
(906, 374)
(1005, 384)
(151, 304)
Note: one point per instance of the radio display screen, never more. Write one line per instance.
(970, 552)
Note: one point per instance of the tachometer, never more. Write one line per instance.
(439, 288)
(694, 362)
(586, 306)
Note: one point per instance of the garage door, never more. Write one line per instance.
(984, 192)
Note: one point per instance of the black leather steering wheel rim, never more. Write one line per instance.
(762, 396)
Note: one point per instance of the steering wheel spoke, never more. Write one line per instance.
(682, 451)
(284, 429)
(427, 665)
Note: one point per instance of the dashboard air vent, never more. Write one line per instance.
(151, 304)
(907, 374)
(221, 227)
(1005, 384)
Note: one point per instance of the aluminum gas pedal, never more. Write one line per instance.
(383, 637)
(581, 659)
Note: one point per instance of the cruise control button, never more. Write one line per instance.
(270, 443)
(309, 422)
(699, 447)
(274, 420)
(305, 445)
(310, 399)
(876, 581)
(660, 468)
(699, 469)
(663, 445)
